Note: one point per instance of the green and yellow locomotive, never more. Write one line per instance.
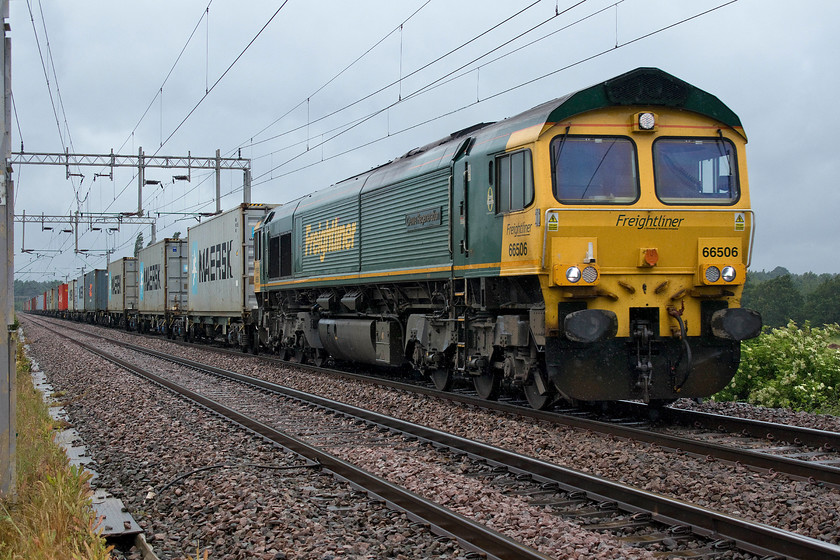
(593, 248)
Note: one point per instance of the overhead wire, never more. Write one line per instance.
(443, 79)
(210, 89)
(410, 74)
(492, 96)
(339, 74)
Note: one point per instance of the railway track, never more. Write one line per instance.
(801, 453)
(567, 492)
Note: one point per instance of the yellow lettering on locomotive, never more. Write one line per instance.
(329, 237)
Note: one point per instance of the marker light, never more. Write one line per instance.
(573, 274)
(713, 274)
(728, 273)
(590, 274)
(647, 121)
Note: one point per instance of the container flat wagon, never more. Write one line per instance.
(122, 293)
(162, 271)
(96, 295)
(222, 304)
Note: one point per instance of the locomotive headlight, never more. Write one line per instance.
(573, 274)
(644, 122)
(590, 274)
(728, 273)
(712, 274)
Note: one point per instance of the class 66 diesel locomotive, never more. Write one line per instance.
(593, 248)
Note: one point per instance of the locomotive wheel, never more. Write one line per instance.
(487, 385)
(442, 378)
(537, 401)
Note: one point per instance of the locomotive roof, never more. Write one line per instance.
(644, 87)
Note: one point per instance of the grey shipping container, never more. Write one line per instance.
(39, 302)
(96, 291)
(122, 285)
(79, 296)
(222, 263)
(162, 277)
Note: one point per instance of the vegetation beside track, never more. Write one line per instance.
(791, 367)
(51, 515)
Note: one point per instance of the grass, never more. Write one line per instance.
(51, 516)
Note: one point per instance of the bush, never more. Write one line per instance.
(789, 367)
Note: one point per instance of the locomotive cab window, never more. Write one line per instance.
(594, 169)
(695, 171)
(514, 181)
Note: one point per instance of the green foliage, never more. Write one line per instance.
(781, 297)
(777, 300)
(789, 367)
(138, 244)
(822, 305)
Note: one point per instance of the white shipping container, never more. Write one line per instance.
(79, 294)
(162, 277)
(221, 263)
(122, 285)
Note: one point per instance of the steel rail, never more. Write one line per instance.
(473, 536)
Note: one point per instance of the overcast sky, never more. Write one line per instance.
(772, 62)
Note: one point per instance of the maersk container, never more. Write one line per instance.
(62, 297)
(162, 277)
(122, 285)
(96, 291)
(222, 263)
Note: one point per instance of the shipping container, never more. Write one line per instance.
(122, 285)
(79, 296)
(39, 301)
(52, 299)
(62, 297)
(163, 282)
(71, 297)
(222, 263)
(96, 294)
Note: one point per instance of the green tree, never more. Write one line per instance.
(138, 244)
(822, 306)
(778, 300)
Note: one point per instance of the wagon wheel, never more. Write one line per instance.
(442, 378)
(488, 384)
